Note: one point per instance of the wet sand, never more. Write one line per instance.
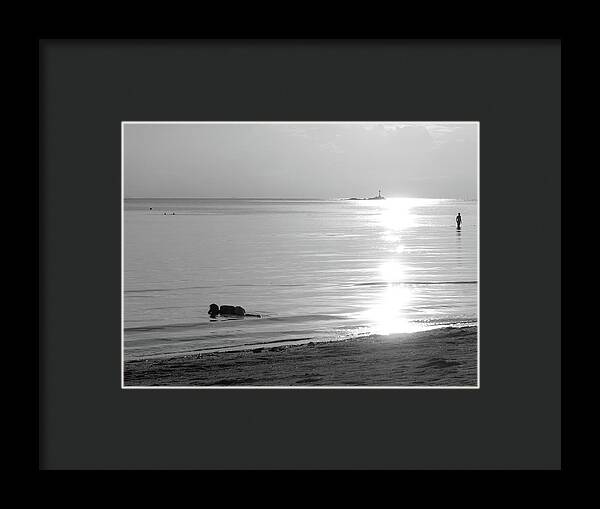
(439, 357)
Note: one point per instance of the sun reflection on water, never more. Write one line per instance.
(395, 214)
(388, 315)
(391, 271)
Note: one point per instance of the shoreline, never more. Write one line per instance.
(434, 358)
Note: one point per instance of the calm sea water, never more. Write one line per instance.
(315, 270)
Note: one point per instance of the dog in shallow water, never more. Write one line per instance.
(215, 310)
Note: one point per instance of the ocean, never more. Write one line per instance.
(315, 270)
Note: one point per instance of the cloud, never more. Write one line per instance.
(427, 159)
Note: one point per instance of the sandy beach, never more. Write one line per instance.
(439, 357)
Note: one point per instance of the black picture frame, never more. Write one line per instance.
(87, 87)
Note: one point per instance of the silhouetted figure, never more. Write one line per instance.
(232, 310)
(213, 311)
(458, 221)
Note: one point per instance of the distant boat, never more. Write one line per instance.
(378, 197)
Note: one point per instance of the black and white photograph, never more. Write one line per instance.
(300, 254)
(277, 253)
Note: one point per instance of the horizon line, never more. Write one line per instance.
(279, 198)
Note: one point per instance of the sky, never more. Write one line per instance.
(301, 160)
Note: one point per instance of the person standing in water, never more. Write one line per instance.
(458, 221)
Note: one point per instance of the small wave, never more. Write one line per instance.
(385, 283)
(147, 328)
(444, 333)
(285, 285)
(450, 322)
(302, 318)
(179, 288)
(192, 325)
(440, 363)
(153, 290)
